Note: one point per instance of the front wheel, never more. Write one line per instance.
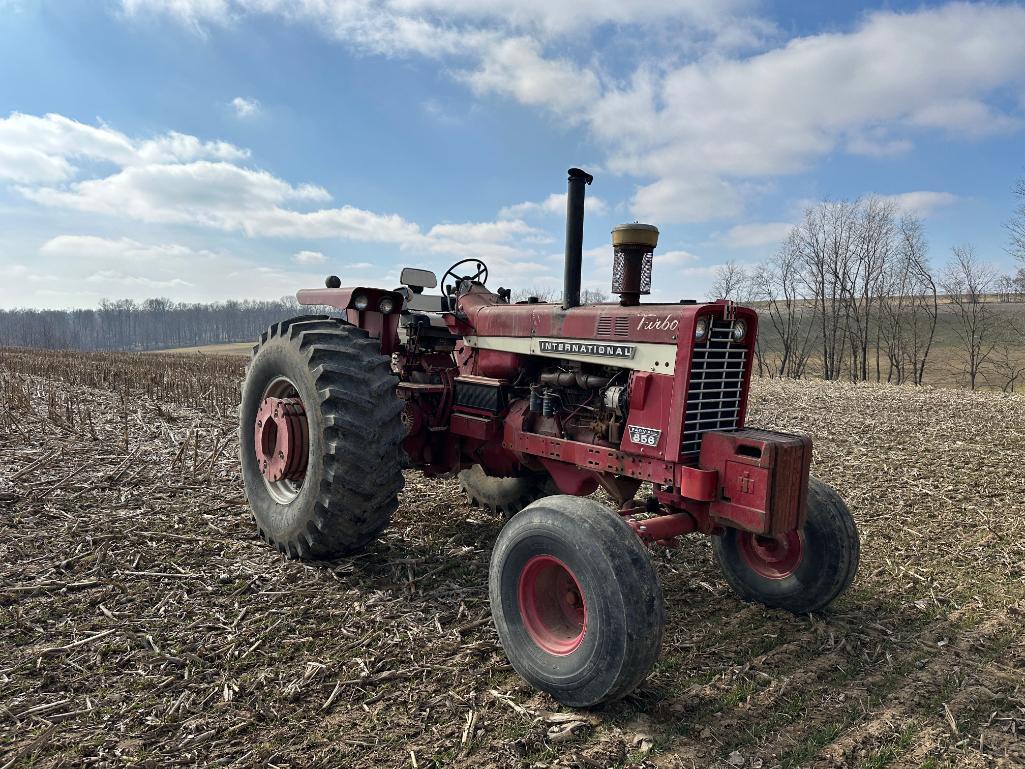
(802, 570)
(576, 600)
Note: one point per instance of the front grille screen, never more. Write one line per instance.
(716, 379)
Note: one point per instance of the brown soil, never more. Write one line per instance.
(142, 623)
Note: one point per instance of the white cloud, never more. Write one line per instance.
(688, 198)
(222, 196)
(876, 142)
(405, 25)
(91, 248)
(554, 204)
(776, 113)
(28, 164)
(675, 258)
(41, 149)
(439, 112)
(161, 181)
(517, 67)
(121, 282)
(245, 107)
(309, 257)
(697, 125)
(99, 267)
(755, 234)
(921, 202)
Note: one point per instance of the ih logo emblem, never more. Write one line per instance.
(747, 484)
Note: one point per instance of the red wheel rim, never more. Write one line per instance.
(772, 557)
(552, 605)
(281, 439)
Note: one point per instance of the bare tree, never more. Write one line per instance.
(780, 284)
(543, 294)
(874, 237)
(967, 281)
(731, 282)
(1007, 367)
(1016, 225)
(908, 305)
(151, 324)
(1006, 289)
(550, 294)
(826, 243)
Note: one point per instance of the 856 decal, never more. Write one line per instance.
(644, 436)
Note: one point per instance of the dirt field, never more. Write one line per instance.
(228, 348)
(143, 624)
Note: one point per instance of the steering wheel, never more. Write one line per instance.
(480, 276)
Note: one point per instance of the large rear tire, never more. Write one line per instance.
(504, 496)
(340, 475)
(576, 600)
(801, 571)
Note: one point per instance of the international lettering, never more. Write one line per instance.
(597, 349)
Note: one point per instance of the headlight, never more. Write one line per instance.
(360, 301)
(701, 329)
(386, 305)
(739, 330)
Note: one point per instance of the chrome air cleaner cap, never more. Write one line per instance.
(635, 234)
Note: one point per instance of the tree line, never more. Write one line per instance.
(148, 325)
(851, 294)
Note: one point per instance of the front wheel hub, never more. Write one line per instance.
(282, 439)
(552, 605)
(772, 557)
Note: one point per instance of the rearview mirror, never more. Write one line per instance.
(416, 278)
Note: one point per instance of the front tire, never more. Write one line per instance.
(801, 571)
(337, 482)
(576, 600)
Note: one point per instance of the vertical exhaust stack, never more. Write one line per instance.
(574, 237)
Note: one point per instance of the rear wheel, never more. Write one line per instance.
(576, 600)
(504, 496)
(802, 570)
(319, 431)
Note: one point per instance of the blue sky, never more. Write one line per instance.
(207, 149)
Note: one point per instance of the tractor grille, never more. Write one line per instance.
(609, 326)
(716, 380)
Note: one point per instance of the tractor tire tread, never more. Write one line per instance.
(504, 496)
(362, 432)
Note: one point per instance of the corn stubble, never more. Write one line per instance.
(143, 624)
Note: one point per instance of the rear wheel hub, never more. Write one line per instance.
(282, 442)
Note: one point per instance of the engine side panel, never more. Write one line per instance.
(644, 356)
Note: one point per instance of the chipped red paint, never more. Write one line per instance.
(377, 324)
(722, 485)
(763, 478)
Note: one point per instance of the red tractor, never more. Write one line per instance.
(536, 406)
